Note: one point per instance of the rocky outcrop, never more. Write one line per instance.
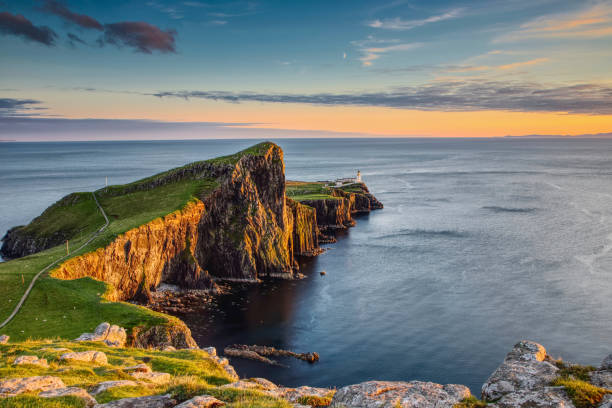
(4, 339)
(255, 352)
(154, 401)
(77, 392)
(332, 213)
(90, 356)
(305, 229)
(173, 334)
(16, 386)
(31, 360)
(525, 368)
(392, 394)
(111, 335)
(202, 401)
(547, 397)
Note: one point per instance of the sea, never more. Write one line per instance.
(482, 243)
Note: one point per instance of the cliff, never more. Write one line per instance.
(223, 219)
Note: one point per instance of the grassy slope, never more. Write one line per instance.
(80, 301)
(193, 371)
(300, 191)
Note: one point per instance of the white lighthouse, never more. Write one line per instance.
(358, 179)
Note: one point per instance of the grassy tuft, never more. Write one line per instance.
(471, 402)
(316, 401)
(582, 394)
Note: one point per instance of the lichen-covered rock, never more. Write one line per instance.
(547, 397)
(202, 401)
(111, 335)
(524, 368)
(106, 385)
(175, 334)
(602, 378)
(90, 356)
(70, 392)
(4, 339)
(391, 394)
(294, 394)
(154, 401)
(16, 386)
(224, 363)
(31, 360)
(153, 377)
(211, 351)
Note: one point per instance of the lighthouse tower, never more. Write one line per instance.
(358, 179)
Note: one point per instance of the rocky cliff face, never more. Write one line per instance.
(337, 213)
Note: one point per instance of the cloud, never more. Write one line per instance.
(523, 63)
(373, 53)
(172, 12)
(456, 95)
(18, 25)
(144, 37)
(82, 20)
(372, 48)
(399, 24)
(10, 107)
(592, 22)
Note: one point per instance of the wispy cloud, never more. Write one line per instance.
(591, 22)
(172, 11)
(18, 25)
(85, 21)
(457, 95)
(144, 37)
(400, 24)
(373, 48)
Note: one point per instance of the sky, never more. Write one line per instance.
(159, 69)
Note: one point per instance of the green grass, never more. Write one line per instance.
(582, 394)
(300, 191)
(193, 373)
(576, 371)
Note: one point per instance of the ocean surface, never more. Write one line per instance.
(482, 242)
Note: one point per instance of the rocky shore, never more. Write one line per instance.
(527, 378)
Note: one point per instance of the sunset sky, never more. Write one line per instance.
(112, 69)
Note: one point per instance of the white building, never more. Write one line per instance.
(349, 180)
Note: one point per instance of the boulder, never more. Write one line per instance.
(31, 360)
(524, 368)
(211, 351)
(547, 397)
(203, 401)
(294, 394)
(266, 384)
(154, 401)
(4, 339)
(155, 378)
(139, 368)
(70, 391)
(103, 386)
(16, 386)
(602, 378)
(90, 356)
(391, 394)
(113, 336)
(606, 364)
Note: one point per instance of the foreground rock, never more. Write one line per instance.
(548, 397)
(203, 401)
(106, 385)
(391, 394)
(16, 386)
(91, 356)
(31, 360)
(524, 368)
(4, 339)
(70, 392)
(155, 401)
(111, 335)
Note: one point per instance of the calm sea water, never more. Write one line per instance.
(481, 243)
